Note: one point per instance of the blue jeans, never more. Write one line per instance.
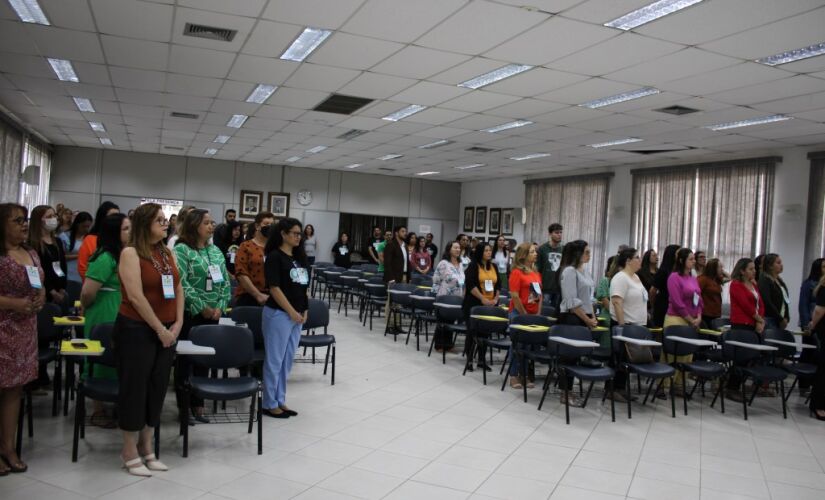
(281, 336)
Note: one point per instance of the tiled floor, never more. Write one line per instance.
(400, 425)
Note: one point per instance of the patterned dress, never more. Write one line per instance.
(18, 332)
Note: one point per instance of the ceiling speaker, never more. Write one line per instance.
(31, 175)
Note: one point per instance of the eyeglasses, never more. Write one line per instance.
(21, 221)
(162, 221)
(295, 233)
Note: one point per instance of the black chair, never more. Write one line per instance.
(350, 286)
(786, 357)
(718, 323)
(684, 341)
(334, 283)
(481, 330)
(449, 317)
(251, 316)
(318, 317)
(641, 338)
(317, 277)
(233, 346)
(569, 342)
(549, 311)
(422, 304)
(749, 358)
(400, 306)
(49, 337)
(529, 348)
(376, 299)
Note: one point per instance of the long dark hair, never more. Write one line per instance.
(681, 258)
(79, 219)
(572, 255)
(739, 269)
(446, 255)
(227, 240)
(506, 248)
(668, 259)
(100, 215)
(816, 270)
(646, 262)
(478, 255)
(108, 240)
(712, 270)
(341, 237)
(6, 211)
(188, 230)
(276, 239)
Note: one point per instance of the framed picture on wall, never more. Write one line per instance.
(468, 219)
(507, 221)
(495, 220)
(279, 204)
(481, 219)
(251, 203)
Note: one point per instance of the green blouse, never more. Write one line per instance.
(199, 290)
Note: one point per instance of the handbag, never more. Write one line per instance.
(638, 354)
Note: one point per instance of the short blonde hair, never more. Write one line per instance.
(520, 260)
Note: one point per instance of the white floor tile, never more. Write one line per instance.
(391, 464)
(361, 483)
(509, 487)
(451, 476)
(413, 490)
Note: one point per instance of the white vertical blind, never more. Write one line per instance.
(36, 153)
(11, 154)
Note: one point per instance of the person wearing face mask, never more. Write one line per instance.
(775, 293)
(249, 264)
(42, 239)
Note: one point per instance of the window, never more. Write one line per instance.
(815, 234)
(360, 227)
(721, 208)
(579, 204)
(34, 184)
(11, 144)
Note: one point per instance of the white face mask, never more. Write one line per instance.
(50, 224)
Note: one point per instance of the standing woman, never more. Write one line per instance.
(64, 219)
(774, 292)
(659, 292)
(448, 279)
(684, 303)
(287, 279)
(42, 239)
(747, 311)
(818, 327)
(21, 297)
(807, 297)
(501, 258)
(89, 245)
(464, 242)
(72, 240)
(341, 255)
(420, 257)
(175, 222)
(710, 282)
(205, 289)
(229, 244)
(525, 296)
(701, 263)
(482, 290)
(100, 295)
(249, 264)
(650, 264)
(146, 329)
(576, 306)
(310, 243)
(628, 303)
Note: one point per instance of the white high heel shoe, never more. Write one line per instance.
(135, 467)
(152, 463)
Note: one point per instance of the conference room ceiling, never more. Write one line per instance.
(136, 68)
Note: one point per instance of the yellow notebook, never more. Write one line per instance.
(705, 331)
(92, 347)
(530, 328)
(655, 330)
(600, 329)
(69, 320)
(489, 318)
(422, 287)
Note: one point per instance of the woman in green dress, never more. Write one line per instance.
(100, 295)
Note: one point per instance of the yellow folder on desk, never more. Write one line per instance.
(600, 329)
(66, 321)
(705, 331)
(530, 328)
(70, 347)
(488, 318)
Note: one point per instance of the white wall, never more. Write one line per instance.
(787, 229)
(82, 177)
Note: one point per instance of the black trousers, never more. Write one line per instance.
(818, 389)
(143, 367)
(246, 300)
(184, 364)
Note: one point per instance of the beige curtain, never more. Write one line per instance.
(662, 207)
(11, 152)
(36, 153)
(577, 203)
(815, 233)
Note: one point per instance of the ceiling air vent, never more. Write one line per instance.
(677, 110)
(479, 149)
(386, 169)
(352, 134)
(188, 116)
(209, 32)
(656, 151)
(173, 148)
(342, 104)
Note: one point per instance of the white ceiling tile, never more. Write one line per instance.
(535, 82)
(316, 13)
(243, 26)
(142, 20)
(13, 38)
(261, 70)
(555, 38)
(316, 77)
(142, 97)
(278, 112)
(671, 67)
(441, 132)
(352, 51)
(270, 39)
(613, 121)
(478, 101)
(234, 107)
(325, 120)
(66, 44)
(552, 6)
(45, 85)
(467, 70)
(622, 51)
(572, 114)
(297, 98)
(140, 54)
(799, 104)
(526, 108)
(200, 62)
(593, 88)
(92, 73)
(248, 8)
(747, 73)
(27, 65)
(429, 94)
(187, 102)
(194, 85)
(419, 62)
(362, 123)
(400, 20)
(771, 91)
(376, 86)
(405, 127)
(437, 116)
(71, 14)
(479, 27)
(140, 79)
(89, 91)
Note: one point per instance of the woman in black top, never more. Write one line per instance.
(660, 304)
(482, 287)
(42, 227)
(774, 292)
(341, 256)
(287, 277)
(230, 241)
(818, 327)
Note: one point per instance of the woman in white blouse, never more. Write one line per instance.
(448, 279)
(576, 286)
(628, 304)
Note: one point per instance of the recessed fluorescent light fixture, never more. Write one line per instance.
(747, 123)
(354, 165)
(507, 126)
(261, 93)
(29, 11)
(236, 121)
(293, 159)
(427, 173)
(617, 142)
(306, 42)
(467, 167)
(435, 144)
(97, 126)
(389, 157)
(530, 156)
(83, 104)
(495, 75)
(105, 141)
(63, 69)
(316, 149)
(649, 13)
(221, 139)
(794, 55)
(616, 99)
(405, 112)
(210, 152)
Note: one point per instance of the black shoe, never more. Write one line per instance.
(469, 367)
(270, 413)
(291, 413)
(200, 417)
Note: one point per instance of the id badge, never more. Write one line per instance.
(58, 271)
(488, 285)
(422, 262)
(536, 286)
(34, 277)
(231, 257)
(644, 295)
(461, 281)
(208, 284)
(502, 267)
(215, 273)
(343, 250)
(695, 299)
(299, 275)
(168, 283)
